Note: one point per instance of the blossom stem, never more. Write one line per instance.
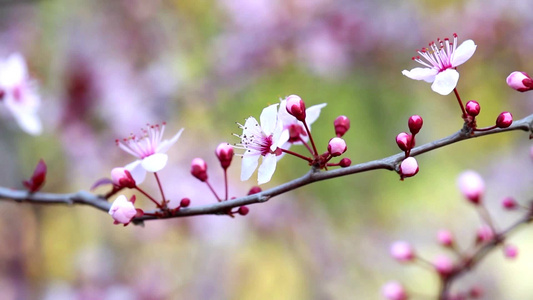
(149, 197)
(306, 145)
(485, 129)
(460, 102)
(296, 154)
(213, 190)
(161, 189)
(315, 153)
(485, 216)
(226, 183)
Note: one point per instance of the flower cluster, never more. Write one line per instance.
(406, 142)
(472, 187)
(19, 93)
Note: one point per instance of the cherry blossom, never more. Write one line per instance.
(122, 210)
(441, 59)
(19, 93)
(262, 141)
(150, 150)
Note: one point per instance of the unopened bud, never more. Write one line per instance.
(243, 210)
(199, 169)
(443, 265)
(122, 178)
(445, 238)
(403, 140)
(337, 146)
(2, 93)
(345, 162)
(122, 210)
(520, 81)
(296, 107)
(475, 292)
(415, 124)
(402, 251)
(185, 202)
(510, 251)
(471, 186)
(484, 234)
(472, 108)
(224, 152)
(254, 190)
(409, 167)
(393, 291)
(342, 124)
(504, 120)
(509, 203)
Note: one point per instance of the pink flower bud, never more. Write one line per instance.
(296, 107)
(472, 108)
(393, 291)
(510, 251)
(38, 178)
(471, 186)
(254, 190)
(415, 124)
(122, 178)
(509, 203)
(199, 169)
(185, 202)
(475, 292)
(345, 162)
(520, 81)
(403, 140)
(123, 210)
(445, 238)
(504, 120)
(342, 124)
(224, 153)
(443, 265)
(409, 167)
(402, 251)
(337, 146)
(243, 210)
(484, 234)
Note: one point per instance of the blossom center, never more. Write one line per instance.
(145, 144)
(438, 55)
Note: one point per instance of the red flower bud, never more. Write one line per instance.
(342, 124)
(254, 190)
(224, 152)
(415, 123)
(472, 108)
(185, 202)
(403, 140)
(296, 107)
(36, 181)
(504, 120)
(243, 210)
(199, 169)
(345, 162)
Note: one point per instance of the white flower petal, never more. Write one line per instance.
(463, 53)
(269, 119)
(154, 162)
(14, 70)
(137, 171)
(266, 169)
(313, 112)
(445, 81)
(166, 144)
(249, 164)
(279, 137)
(29, 122)
(426, 74)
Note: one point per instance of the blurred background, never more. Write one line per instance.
(107, 68)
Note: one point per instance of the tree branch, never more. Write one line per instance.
(390, 163)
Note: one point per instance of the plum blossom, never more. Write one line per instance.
(19, 93)
(294, 128)
(265, 141)
(441, 59)
(122, 210)
(150, 150)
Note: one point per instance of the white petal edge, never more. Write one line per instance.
(463, 53)
(445, 82)
(29, 122)
(166, 144)
(266, 169)
(15, 70)
(137, 171)
(313, 112)
(248, 165)
(269, 119)
(154, 162)
(426, 74)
